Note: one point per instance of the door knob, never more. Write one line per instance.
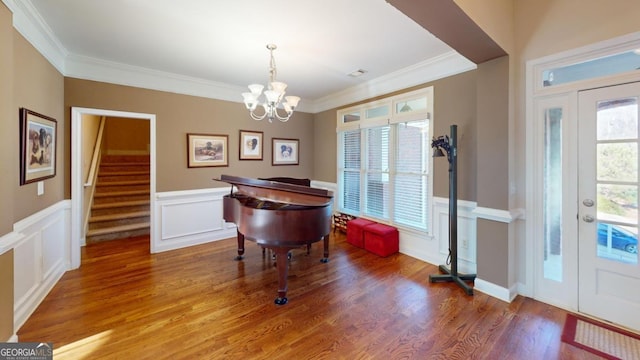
(588, 202)
(588, 218)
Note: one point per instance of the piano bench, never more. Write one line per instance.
(355, 231)
(380, 239)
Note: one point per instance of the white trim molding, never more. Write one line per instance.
(9, 241)
(496, 291)
(505, 216)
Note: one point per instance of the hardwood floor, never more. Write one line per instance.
(199, 303)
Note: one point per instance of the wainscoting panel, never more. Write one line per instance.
(186, 218)
(41, 256)
(466, 232)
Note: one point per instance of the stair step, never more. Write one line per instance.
(120, 204)
(119, 216)
(123, 173)
(132, 163)
(122, 183)
(120, 228)
(121, 200)
(121, 193)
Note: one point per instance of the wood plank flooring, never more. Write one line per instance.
(199, 303)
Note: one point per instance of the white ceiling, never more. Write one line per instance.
(215, 48)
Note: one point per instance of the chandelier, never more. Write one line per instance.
(273, 96)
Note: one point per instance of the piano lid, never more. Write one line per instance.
(279, 192)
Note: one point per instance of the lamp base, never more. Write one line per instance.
(459, 279)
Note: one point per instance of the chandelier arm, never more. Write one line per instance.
(256, 117)
(282, 118)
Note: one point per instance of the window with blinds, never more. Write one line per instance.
(411, 177)
(384, 160)
(349, 172)
(377, 173)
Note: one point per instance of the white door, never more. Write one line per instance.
(608, 183)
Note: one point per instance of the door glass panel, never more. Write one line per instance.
(608, 65)
(617, 162)
(617, 180)
(617, 120)
(553, 195)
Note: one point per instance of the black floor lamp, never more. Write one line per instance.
(449, 145)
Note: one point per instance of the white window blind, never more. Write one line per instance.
(377, 172)
(411, 178)
(349, 171)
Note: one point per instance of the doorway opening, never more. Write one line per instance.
(77, 181)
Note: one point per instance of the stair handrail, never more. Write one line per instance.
(96, 154)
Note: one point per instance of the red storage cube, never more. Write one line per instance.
(381, 239)
(355, 231)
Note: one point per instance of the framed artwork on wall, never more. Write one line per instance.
(285, 151)
(38, 139)
(251, 145)
(207, 150)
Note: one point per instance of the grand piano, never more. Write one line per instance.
(278, 216)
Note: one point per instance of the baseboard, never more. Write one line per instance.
(496, 291)
(13, 339)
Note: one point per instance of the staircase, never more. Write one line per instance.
(121, 200)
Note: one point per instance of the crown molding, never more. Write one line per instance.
(448, 64)
(28, 22)
(88, 68)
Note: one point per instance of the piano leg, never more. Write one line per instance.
(282, 263)
(325, 259)
(240, 246)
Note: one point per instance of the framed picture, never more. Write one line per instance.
(206, 150)
(251, 145)
(285, 151)
(37, 146)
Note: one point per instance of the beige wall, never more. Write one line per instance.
(325, 146)
(455, 104)
(9, 161)
(90, 130)
(493, 134)
(38, 86)
(492, 175)
(124, 136)
(8, 122)
(177, 115)
(6, 296)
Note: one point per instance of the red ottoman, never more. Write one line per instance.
(355, 231)
(381, 239)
